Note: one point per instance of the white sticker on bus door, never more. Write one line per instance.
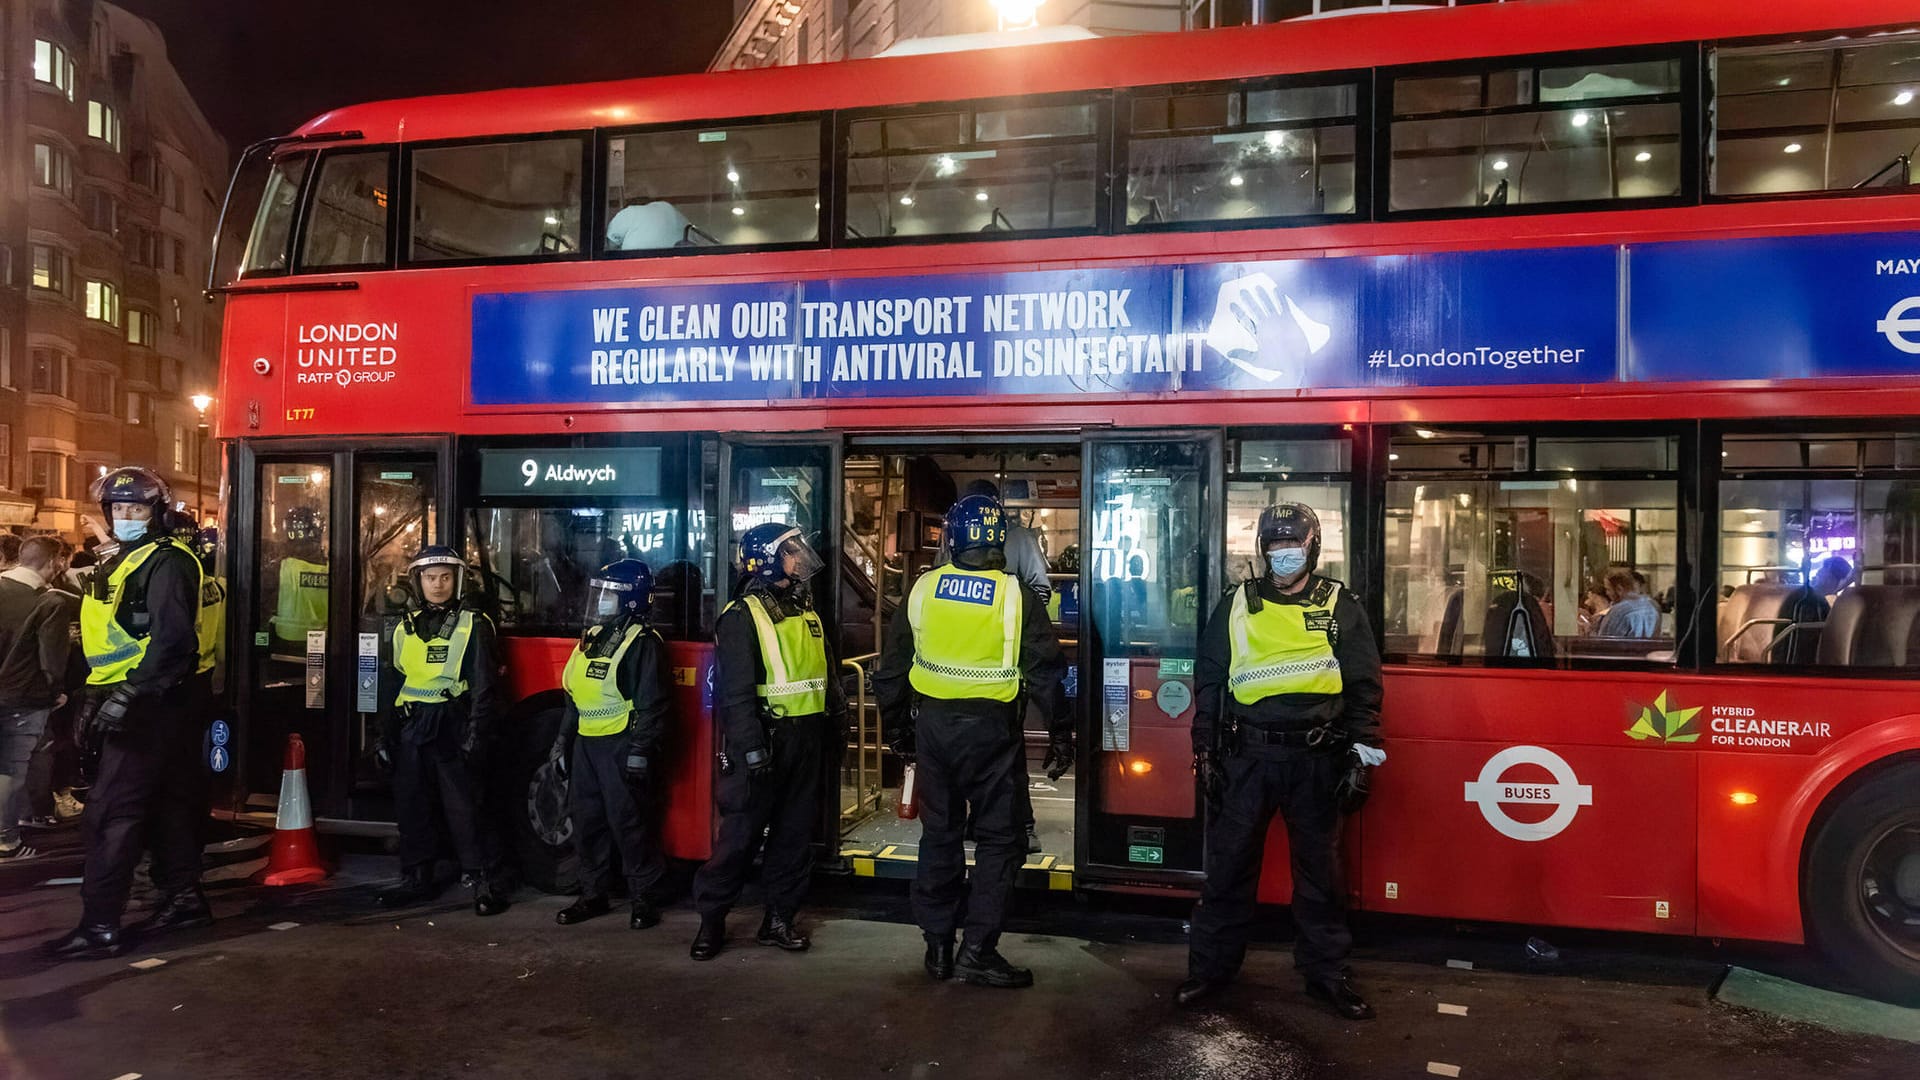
(1116, 693)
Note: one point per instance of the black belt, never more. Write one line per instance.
(1323, 736)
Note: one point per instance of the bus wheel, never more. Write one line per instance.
(535, 794)
(1863, 885)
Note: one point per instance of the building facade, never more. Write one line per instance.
(109, 186)
(775, 32)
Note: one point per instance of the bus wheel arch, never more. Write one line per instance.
(1860, 878)
(532, 795)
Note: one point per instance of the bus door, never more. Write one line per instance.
(1150, 566)
(320, 581)
(796, 481)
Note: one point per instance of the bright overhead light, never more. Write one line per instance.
(739, 211)
(1785, 80)
(551, 220)
(906, 200)
(1643, 156)
(1580, 119)
(979, 196)
(1792, 148)
(1236, 180)
(1275, 139)
(1500, 165)
(1425, 433)
(1904, 97)
(733, 177)
(945, 165)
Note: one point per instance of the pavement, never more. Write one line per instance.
(315, 982)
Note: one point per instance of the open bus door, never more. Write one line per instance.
(322, 537)
(794, 480)
(1151, 539)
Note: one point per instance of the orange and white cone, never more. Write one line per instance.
(294, 858)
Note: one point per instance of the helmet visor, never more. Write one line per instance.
(798, 560)
(606, 599)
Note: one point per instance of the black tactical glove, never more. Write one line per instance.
(1059, 755)
(903, 741)
(383, 756)
(561, 755)
(1350, 791)
(759, 761)
(107, 714)
(470, 740)
(1213, 780)
(635, 762)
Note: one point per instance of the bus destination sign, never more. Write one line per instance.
(629, 471)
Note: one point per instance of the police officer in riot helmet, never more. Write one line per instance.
(782, 715)
(138, 627)
(433, 742)
(1287, 720)
(619, 702)
(300, 603)
(960, 655)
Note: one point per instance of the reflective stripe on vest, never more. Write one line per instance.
(430, 667)
(302, 602)
(111, 651)
(213, 620)
(794, 652)
(966, 634)
(594, 684)
(1281, 649)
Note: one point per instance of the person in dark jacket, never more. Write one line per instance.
(618, 703)
(36, 637)
(449, 700)
(1288, 704)
(778, 703)
(138, 624)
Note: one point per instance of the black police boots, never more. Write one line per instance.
(986, 967)
(1196, 990)
(489, 898)
(1339, 994)
(710, 938)
(417, 886)
(939, 956)
(778, 931)
(644, 914)
(587, 907)
(183, 910)
(86, 943)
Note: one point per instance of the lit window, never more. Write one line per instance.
(103, 302)
(140, 327)
(53, 168)
(53, 67)
(103, 123)
(50, 269)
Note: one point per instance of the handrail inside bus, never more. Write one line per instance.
(233, 181)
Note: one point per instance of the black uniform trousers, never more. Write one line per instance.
(150, 795)
(611, 812)
(970, 756)
(1298, 783)
(784, 803)
(435, 788)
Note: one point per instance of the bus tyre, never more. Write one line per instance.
(1862, 885)
(533, 794)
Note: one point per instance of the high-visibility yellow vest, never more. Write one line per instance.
(113, 652)
(966, 634)
(594, 683)
(794, 653)
(430, 667)
(302, 602)
(213, 621)
(1282, 648)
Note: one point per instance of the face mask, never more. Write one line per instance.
(127, 530)
(1287, 562)
(606, 606)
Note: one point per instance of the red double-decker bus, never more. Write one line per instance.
(1592, 332)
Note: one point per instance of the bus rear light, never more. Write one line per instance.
(1744, 798)
(1139, 766)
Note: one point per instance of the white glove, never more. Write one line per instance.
(1369, 755)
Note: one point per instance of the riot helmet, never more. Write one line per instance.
(618, 590)
(776, 551)
(301, 525)
(129, 486)
(976, 523)
(1284, 530)
(427, 573)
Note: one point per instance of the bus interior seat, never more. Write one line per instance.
(1873, 626)
(1769, 600)
(1514, 615)
(1450, 641)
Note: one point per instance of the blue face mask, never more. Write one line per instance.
(127, 530)
(1287, 562)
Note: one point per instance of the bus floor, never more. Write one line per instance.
(885, 845)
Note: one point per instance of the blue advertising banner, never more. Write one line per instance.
(1788, 308)
(1757, 309)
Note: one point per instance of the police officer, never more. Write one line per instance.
(1288, 706)
(301, 602)
(212, 621)
(960, 653)
(780, 709)
(448, 660)
(618, 706)
(138, 626)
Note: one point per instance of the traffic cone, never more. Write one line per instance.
(294, 858)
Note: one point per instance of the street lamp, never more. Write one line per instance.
(200, 403)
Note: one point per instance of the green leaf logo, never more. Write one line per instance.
(1666, 725)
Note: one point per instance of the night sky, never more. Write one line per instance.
(263, 67)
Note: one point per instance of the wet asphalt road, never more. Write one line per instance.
(350, 992)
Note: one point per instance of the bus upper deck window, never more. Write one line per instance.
(270, 242)
(746, 185)
(1537, 135)
(505, 200)
(961, 170)
(1241, 155)
(346, 224)
(1820, 118)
